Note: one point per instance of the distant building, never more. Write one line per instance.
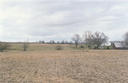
(106, 45)
(119, 45)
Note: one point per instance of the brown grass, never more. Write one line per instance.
(66, 66)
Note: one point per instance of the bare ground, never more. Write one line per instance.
(95, 66)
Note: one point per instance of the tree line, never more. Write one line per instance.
(94, 39)
(91, 39)
(55, 42)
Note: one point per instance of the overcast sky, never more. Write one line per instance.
(60, 19)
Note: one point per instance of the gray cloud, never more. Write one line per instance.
(59, 19)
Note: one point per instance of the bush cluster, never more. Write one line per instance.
(3, 46)
(59, 48)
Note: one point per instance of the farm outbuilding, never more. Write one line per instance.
(119, 45)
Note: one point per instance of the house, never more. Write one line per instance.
(119, 45)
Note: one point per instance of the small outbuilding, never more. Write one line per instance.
(119, 45)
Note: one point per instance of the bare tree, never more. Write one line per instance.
(76, 38)
(88, 38)
(126, 38)
(25, 46)
(95, 39)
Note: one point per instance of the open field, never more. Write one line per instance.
(75, 66)
(39, 47)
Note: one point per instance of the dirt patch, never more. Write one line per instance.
(64, 67)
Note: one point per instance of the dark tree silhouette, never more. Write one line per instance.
(76, 38)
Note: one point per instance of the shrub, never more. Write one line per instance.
(82, 46)
(108, 47)
(59, 48)
(3, 46)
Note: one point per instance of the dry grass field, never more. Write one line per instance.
(64, 66)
